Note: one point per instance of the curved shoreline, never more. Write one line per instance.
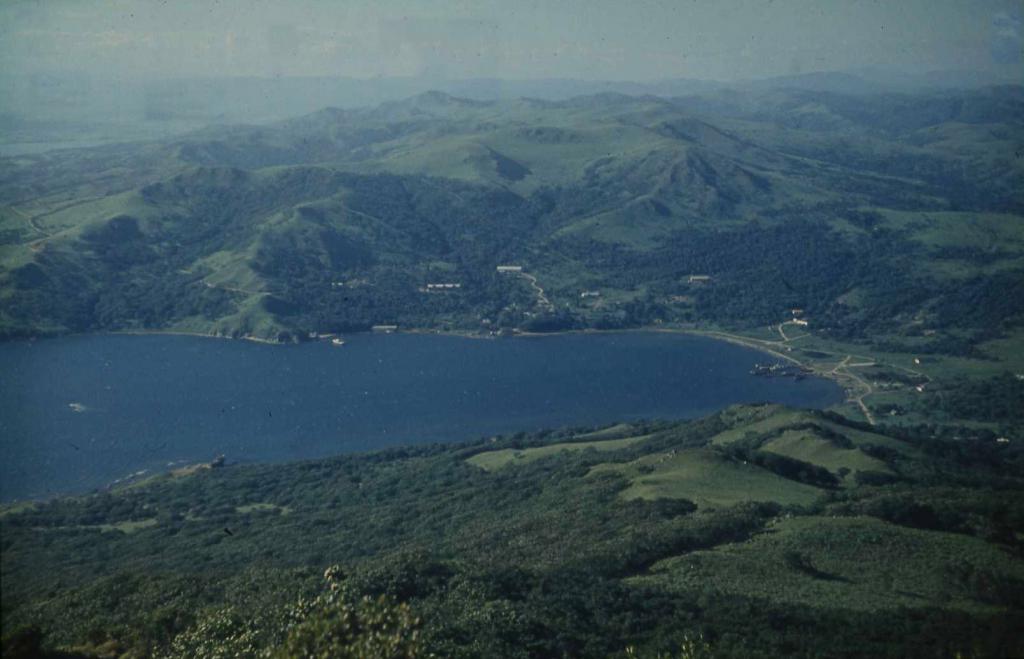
(842, 380)
(854, 387)
(254, 339)
(602, 346)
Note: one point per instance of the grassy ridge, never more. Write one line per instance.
(492, 460)
(807, 447)
(706, 478)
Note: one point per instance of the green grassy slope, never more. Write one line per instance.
(808, 447)
(706, 478)
(501, 458)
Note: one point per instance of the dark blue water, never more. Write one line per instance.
(81, 412)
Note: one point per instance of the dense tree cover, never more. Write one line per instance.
(759, 272)
(536, 559)
(999, 399)
(134, 279)
(980, 512)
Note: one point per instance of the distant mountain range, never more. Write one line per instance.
(36, 106)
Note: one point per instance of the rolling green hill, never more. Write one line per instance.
(625, 195)
(577, 542)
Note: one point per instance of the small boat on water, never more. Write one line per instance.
(338, 341)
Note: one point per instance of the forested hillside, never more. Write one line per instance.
(881, 216)
(759, 531)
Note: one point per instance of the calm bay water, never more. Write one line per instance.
(78, 413)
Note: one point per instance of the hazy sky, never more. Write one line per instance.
(593, 39)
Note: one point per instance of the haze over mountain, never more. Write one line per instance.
(646, 40)
(61, 109)
(100, 71)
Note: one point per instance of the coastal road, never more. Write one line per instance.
(857, 387)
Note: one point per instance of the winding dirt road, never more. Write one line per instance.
(857, 387)
(542, 299)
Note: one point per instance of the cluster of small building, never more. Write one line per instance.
(443, 286)
(779, 369)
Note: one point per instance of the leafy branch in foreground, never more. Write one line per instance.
(336, 623)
